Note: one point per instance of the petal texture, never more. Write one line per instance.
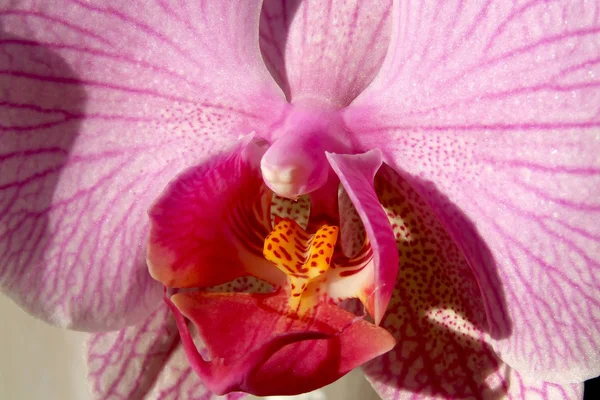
(437, 316)
(125, 364)
(101, 105)
(328, 50)
(500, 136)
(506, 383)
(145, 361)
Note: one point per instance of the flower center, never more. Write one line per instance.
(303, 257)
(293, 167)
(295, 163)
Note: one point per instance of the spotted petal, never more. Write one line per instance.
(492, 111)
(101, 105)
(437, 316)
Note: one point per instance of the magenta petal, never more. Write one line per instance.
(208, 226)
(356, 173)
(101, 104)
(500, 136)
(145, 361)
(324, 50)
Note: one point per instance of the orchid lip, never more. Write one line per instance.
(221, 376)
(250, 368)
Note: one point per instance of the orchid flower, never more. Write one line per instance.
(258, 197)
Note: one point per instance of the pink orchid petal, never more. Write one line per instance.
(145, 361)
(256, 347)
(523, 388)
(435, 296)
(179, 381)
(324, 50)
(101, 105)
(356, 173)
(208, 226)
(437, 317)
(504, 383)
(125, 364)
(500, 137)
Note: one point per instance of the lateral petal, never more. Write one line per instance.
(145, 361)
(500, 137)
(437, 316)
(125, 364)
(101, 105)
